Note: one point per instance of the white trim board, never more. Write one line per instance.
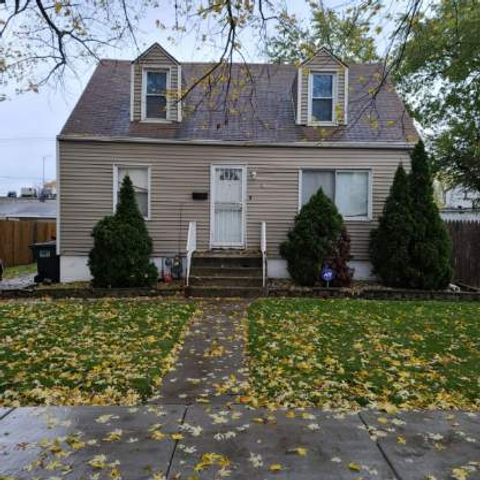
(132, 92)
(179, 90)
(74, 268)
(57, 228)
(278, 268)
(345, 113)
(299, 96)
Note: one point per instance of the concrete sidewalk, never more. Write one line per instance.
(210, 442)
(18, 283)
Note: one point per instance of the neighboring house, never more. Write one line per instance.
(12, 208)
(460, 198)
(283, 132)
(459, 203)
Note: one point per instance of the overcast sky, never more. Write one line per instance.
(30, 122)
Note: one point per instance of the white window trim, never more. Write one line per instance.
(59, 210)
(298, 119)
(149, 183)
(132, 92)
(179, 93)
(334, 74)
(155, 68)
(369, 216)
(345, 106)
(213, 166)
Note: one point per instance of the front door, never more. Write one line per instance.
(227, 216)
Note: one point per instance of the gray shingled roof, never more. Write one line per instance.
(261, 110)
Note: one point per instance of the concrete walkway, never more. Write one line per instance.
(18, 283)
(193, 429)
(210, 368)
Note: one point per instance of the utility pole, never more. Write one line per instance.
(43, 171)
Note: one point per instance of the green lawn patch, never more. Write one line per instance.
(87, 352)
(353, 353)
(12, 272)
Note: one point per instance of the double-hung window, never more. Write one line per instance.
(348, 189)
(155, 91)
(322, 92)
(140, 177)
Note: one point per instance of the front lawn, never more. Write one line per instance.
(353, 353)
(87, 352)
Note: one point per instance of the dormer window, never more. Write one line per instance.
(322, 98)
(155, 94)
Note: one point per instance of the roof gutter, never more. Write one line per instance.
(235, 143)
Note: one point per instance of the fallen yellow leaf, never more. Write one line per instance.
(275, 467)
(355, 467)
(460, 473)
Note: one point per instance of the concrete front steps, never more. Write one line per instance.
(226, 274)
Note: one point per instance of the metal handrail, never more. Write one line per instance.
(263, 249)
(191, 247)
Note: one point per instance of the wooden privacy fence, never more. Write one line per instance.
(465, 237)
(16, 236)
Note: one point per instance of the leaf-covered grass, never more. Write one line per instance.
(87, 352)
(352, 353)
(12, 272)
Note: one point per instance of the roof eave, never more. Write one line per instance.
(235, 143)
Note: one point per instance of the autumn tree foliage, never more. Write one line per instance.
(439, 79)
(348, 34)
(122, 248)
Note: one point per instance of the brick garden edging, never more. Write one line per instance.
(367, 293)
(85, 293)
(405, 294)
(318, 292)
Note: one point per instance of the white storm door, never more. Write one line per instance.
(228, 193)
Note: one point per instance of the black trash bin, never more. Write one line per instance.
(48, 262)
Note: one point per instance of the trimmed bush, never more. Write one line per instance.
(127, 209)
(312, 239)
(339, 260)
(430, 248)
(120, 256)
(390, 242)
(411, 247)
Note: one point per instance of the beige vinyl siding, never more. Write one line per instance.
(86, 194)
(156, 58)
(323, 62)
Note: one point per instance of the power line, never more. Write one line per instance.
(14, 139)
(20, 178)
